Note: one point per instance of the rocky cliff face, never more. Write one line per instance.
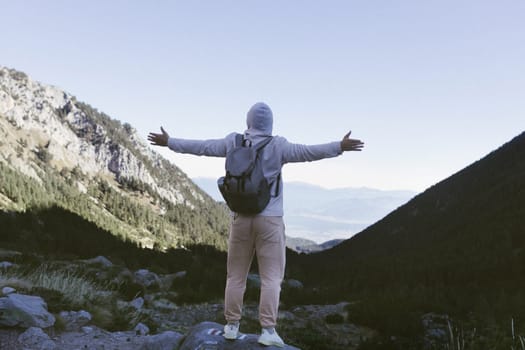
(43, 128)
(37, 115)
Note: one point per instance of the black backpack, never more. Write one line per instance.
(244, 188)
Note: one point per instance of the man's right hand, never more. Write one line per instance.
(159, 139)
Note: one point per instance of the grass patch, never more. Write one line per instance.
(74, 286)
(62, 288)
(68, 288)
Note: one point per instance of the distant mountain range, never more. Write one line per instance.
(318, 215)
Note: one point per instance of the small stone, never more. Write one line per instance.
(100, 260)
(5, 264)
(141, 329)
(8, 290)
(87, 330)
(137, 303)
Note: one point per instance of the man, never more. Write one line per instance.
(261, 234)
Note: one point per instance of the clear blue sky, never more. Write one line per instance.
(429, 86)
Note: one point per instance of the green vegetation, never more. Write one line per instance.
(309, 338)
(119, 213)
(73, 289)
(43, 154)
(125, 206)
(70, 288)
(61, 288)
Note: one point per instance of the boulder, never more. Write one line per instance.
(35, 338)
(24, 311)
(180, 274)
(75, 320)
(100, 261)
(137, 303)
(87, 330)
(8, 254)
(209, 335)
(162, 304)
(141, 329)
(8, 290)
(6, 264)
(146, 278)
(96, 338)
(293, 284)
(166, 281)
(168, 340)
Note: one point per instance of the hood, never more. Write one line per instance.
(259, 120)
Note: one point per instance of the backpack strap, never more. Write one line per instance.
(239, 140)
(261, 145)
(278, 180)
(277, 185)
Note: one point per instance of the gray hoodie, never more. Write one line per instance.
(277, 153)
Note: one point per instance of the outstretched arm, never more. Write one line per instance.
(293, 152)
(159, 139)
(348, 144)
(213, 148)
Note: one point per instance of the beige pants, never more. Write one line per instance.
(263, 236)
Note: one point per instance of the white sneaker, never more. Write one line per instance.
(270, 337)
(231, 331)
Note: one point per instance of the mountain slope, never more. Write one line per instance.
(479, 209)
(57, 150)
(458, 247)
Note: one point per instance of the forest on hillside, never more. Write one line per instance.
(114, 210)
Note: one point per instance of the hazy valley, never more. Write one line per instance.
(315, 215)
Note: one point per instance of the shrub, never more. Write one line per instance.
(62, 289)
(54, 299)
(75, 287)
(43, 154)
(334, 318)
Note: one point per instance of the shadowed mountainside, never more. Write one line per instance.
(458, 247)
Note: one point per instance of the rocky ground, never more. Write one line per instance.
(154, 320)
(185, 323)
